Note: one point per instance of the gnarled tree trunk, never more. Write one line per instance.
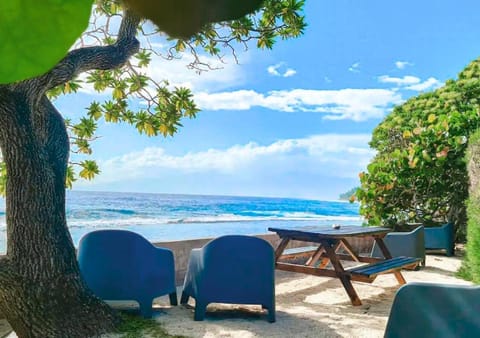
(41, 290)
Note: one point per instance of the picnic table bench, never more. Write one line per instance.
(370, 271)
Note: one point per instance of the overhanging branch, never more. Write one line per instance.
(99, 57)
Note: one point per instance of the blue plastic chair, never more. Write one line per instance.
(122, 265)
(440, 238)
(231, 269)
(409, 244)
(425, 310)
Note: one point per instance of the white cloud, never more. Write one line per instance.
(430, 83)
(399, 81)
(329, 154)
(410, 82)
(274, 70)
(402, 64)
(355, 67)
(354, 104)
(289, 72)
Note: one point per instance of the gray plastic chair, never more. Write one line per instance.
(123, 265)
(426, 310)
(437, 238)
(233, 269)
(409, 244)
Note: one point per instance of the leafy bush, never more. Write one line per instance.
(419, 173)
(471, 265)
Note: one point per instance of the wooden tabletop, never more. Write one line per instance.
(312, 232)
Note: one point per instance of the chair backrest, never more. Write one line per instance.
(427, 310)
(243, 263)
(112, 249)
(116, 264)
(239, 249)
(439, 237)
(411, 244)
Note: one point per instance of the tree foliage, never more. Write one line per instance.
(150, 105)
(419, 172)
(471, 264)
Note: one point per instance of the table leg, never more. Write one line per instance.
(326, 260)
(312, 260)
(348, 248)
(280, 248)
(387, 255)
(344, 278)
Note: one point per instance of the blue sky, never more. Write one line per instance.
(294, 121)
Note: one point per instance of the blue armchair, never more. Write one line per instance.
(440, 238)
(122, 265)
(425, 310)
(231, 269)
(409, 244)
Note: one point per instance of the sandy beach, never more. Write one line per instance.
(307, 306)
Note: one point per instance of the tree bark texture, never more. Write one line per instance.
(41, 291)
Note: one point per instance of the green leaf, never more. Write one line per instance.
(37, 35)
(90, 169)
(180, 47)
(86, 127)
(94, 111)
(70, 177)
(143, 57)
(118, 93)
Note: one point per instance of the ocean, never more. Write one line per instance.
(167, 217)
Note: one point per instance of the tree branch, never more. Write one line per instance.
(99, 57)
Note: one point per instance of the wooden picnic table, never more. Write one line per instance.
(328, 242)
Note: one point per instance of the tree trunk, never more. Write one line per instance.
(41, 290)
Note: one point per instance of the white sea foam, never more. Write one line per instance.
(221, 218)
(113, 222)
(285, 217)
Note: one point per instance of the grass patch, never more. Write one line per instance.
(137, 327)
(464, 272)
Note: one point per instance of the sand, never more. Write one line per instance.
(307, 306)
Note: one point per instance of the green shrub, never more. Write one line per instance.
(419, 172)
(471, 266)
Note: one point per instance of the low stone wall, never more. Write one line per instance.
(181, 249)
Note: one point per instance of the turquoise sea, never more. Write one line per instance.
(165, 217)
